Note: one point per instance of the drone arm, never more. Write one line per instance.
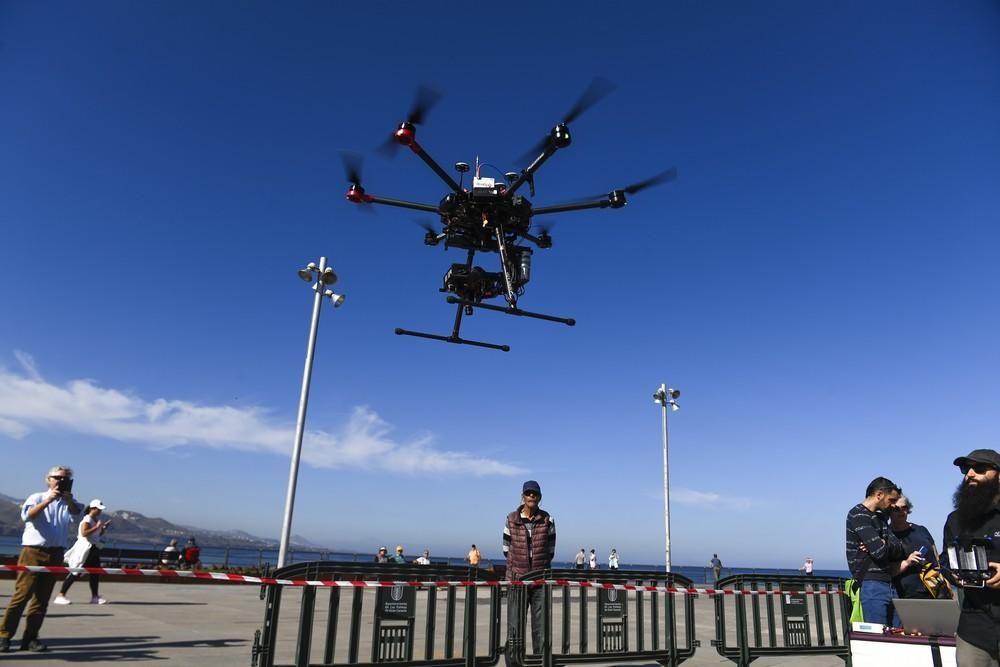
(526, 175)
(429, 208)
(422, 154)
(562, 208)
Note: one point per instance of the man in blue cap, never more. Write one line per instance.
(529, 543)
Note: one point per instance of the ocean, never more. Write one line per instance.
(231, 557)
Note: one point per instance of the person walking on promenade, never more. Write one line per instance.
(473, 556)
(382, 556)
(976, 516)
(529, 543)
(46, 517)
(86, 552)
(872, 549)
(398, 557)
(171, 556)
(592, 562)
(581, 558)
(192, 554)
(613, 559)
(716, 565)
(807, 567)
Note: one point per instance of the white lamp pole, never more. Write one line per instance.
(323, 276)
(665, 397)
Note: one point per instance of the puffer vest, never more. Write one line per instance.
(518, 562)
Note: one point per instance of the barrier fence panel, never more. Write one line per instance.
(596, 624)
(790, 615)
(404, 625)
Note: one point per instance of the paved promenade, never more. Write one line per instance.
(213, 625)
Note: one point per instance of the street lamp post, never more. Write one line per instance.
(666, 397)
(323, 276)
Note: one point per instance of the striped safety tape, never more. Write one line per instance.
(241, 578)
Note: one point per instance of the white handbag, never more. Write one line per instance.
(77, 554)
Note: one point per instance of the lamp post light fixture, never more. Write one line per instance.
(324, 276)
(667, 398)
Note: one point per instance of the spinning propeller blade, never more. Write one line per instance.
(425, 224)
(662, 177)
(424, 100)
(597, 90)
(352, 167)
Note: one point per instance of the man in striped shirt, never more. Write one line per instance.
(872, 548)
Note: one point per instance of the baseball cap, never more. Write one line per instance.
(987, 456)
(531, 485)
(96, 502)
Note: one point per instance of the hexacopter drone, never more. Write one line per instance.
(490, 217)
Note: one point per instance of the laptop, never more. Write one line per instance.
(928, 617)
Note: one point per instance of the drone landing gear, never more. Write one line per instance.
(511, 310)
(453, 339)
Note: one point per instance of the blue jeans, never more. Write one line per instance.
(876, 603)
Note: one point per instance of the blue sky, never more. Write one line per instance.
(819, 282)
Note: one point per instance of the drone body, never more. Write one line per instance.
(490, 216)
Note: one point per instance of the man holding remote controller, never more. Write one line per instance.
(46, 517)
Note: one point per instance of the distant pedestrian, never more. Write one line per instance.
(592, 562)
(170, 557)
(473, 556)
(398, 557)
(46, 517)
(192, 554)
(807, 567)
(613, 560)
(716, 567)
(86, 552)
(424, 559)
(529, 543)
(382, 555)
(581, 558)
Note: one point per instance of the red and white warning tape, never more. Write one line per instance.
(241, 578)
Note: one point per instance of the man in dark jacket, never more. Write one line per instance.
(872, 549)
(529, 543)
(977, 517)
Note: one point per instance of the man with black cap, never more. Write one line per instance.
(977, 516)
(529, 543)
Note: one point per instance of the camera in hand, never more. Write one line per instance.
(968, 562)
(64, 485)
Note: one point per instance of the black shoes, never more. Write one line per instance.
(4, 645)
(34, 645)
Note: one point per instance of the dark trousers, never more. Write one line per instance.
(93, 560)
(34, 587)
(533, 598)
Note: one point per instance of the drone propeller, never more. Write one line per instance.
(425, 100)
(663, 177)
(597, 90)
(352, 167)
(426, 225)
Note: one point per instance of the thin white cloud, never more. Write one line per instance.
(709, 499)
(81, 406)
(27, 363)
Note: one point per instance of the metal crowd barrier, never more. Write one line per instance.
(583, 625)
(400, 624)
(407, 625)
(789, 624)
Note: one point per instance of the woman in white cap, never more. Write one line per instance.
(85, 552)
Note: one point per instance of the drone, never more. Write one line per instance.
(490, 216)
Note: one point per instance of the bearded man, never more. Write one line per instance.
(977, 516)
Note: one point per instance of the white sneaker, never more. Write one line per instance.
(98, 600)
(62, 599)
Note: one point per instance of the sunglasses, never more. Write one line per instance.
(531, 494)
(979, 468)
(899, 509)
(57, 478)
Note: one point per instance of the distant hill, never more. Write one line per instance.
(132, 527)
